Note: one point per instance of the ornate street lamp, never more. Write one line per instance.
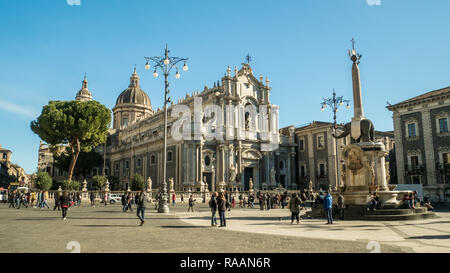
(335, 103)
(165, 63)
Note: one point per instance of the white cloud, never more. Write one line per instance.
(11, 107)
(374, 2)
(73, 2)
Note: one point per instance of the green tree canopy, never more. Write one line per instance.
(43, 181)
(71, 185)
(98, 181)
(137, 183)
(80, 125)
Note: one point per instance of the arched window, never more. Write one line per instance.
(169, 156)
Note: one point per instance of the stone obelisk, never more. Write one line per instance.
(357, 97)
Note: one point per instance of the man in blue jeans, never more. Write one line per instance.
(141, 205)
(328, 206)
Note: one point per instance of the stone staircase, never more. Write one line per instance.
(419, 213)
(354, 212)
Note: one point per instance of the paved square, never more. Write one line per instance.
(107, 229)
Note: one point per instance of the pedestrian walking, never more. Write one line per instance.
(294, 207)
(174, 198)
(44, 200)
(129, 201)
(251, 199)
(158, 196)
(269, 201)
(327, 206)
(33, 198)
(105, 198)
(222, 207)
(262, 201)
(233, 202)
(92, 198)
(64, 201)
(57, 202)
(191, 203)
(141, 202)
(124, 202)
(78, 199)
(241, 201)
(213, 206)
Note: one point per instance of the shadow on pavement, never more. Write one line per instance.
(183, 226)
(107, 225)
(430, 237)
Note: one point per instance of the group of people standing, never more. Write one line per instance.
(218, 202)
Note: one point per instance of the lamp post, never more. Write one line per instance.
(334, 103)
(166, 64)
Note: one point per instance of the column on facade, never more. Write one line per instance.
(267, 168)
(399, 153)
(429, 149)
(292, 168)
(132, 164)
(311, 160)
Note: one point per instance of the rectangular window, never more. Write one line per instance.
(117, 166)
(302, 171)
(301, 145)
(139, 162)
(414, 162)
(125, 122)
(321, 169)
(443, 127)
(411, 130)
(127, 164)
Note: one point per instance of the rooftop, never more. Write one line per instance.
(443, 92)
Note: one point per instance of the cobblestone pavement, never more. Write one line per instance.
(107, 229)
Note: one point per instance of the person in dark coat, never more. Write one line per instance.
(191, 203)
(141, 202)
(222, 207)
(64, 202)
(124, 202)
(213, 206)
(294, 207)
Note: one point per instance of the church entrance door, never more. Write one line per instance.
(207, 177)
(248, 173)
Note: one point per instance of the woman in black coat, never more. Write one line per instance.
(64, 202)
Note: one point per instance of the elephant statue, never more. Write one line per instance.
(367, 132)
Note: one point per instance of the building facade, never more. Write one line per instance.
(10, 172)
(318, 160)
(423, 142)
(236, 111)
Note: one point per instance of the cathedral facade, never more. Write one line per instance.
(225, 137)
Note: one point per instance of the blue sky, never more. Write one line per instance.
(46, 46)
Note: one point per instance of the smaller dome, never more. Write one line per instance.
(84, 94)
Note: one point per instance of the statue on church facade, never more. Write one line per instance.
(272, 176)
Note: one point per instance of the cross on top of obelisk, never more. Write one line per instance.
(353, 43)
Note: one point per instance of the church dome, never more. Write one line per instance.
(134, 94)
(84, 94)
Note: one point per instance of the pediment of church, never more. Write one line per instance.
(251, 154)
